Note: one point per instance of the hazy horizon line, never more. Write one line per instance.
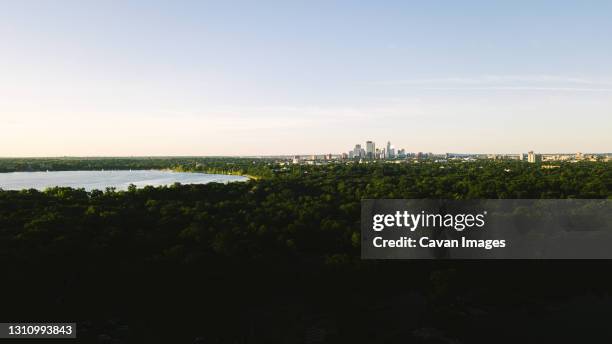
(274, 155)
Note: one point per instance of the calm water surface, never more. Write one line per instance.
(90, 180)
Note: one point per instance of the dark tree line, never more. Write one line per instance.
(255, 167)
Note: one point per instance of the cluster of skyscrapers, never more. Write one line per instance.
(371, 152)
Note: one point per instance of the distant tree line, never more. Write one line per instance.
(255, 167)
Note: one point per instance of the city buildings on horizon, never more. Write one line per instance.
(391, 153)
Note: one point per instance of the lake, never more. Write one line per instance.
(90, 180)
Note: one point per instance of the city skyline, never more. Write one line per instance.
(191, 78)
(396, 154)
(371, 152)
(366, 147)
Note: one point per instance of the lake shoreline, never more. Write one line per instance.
(104, 179)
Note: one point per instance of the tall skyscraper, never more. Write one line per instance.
(388, 150)
(370, 149)
(357, 151)
(532, 157)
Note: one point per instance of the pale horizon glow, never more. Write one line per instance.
(196, 78)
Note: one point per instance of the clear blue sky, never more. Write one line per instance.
(284, 77)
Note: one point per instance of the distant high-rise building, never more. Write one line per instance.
(357, 151)
(532, 157)
(388, 156)
(370, 149)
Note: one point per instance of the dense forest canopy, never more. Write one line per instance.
(291, 233)
(296, 211)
